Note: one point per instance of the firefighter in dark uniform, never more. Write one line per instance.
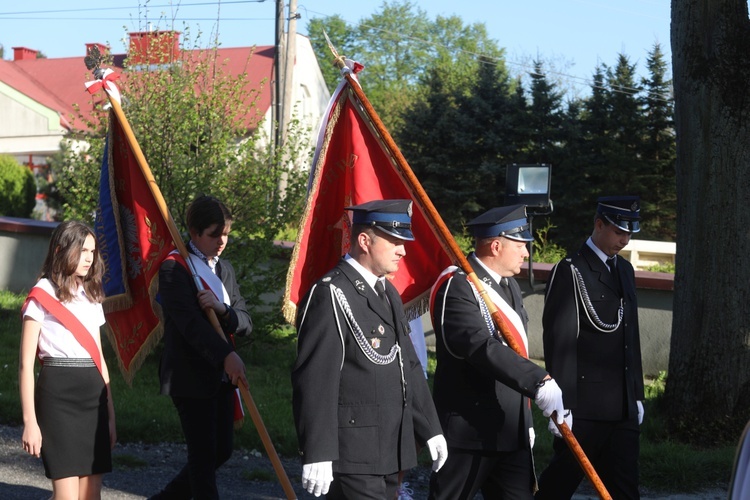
(592, 348)
(361, 402)
(482, 387)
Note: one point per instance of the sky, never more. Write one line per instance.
(573, 35)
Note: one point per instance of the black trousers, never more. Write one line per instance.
(612, 448)
(208, 427)
(498, 475)
(363, 486)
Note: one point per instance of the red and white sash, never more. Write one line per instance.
(69, 321)
(511, 317)
(207, 276)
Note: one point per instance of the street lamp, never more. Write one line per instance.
(529, 185)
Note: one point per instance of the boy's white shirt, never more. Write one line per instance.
(213, 281)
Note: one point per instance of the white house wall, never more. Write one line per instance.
(27, 127)
(310, 95)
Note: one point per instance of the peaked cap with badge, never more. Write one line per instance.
(390, 216)
(509, 222)
(622, 211)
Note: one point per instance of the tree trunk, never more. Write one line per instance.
(709, 366)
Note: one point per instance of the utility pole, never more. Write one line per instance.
(290, 59)
(278, 61)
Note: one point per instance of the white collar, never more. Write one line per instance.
(495, 276)
(603, 256)
(369, 277)
(211, 263)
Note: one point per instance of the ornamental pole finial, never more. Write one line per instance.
(93, 61)
(339, 60)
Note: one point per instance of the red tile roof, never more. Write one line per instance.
(59, 83)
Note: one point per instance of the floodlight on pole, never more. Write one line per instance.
(529, 184)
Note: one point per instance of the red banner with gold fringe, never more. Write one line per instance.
(352, 166)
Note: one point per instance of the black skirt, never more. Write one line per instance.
(71, 409)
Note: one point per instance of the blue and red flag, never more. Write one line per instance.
(133, 239)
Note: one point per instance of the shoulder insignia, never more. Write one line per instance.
(330, 276)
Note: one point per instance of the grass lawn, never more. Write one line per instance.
(143, 415)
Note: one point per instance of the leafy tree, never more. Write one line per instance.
(575, 181)
(18, 188)
(190, 118)
(397, 66)
(430, 88)
(708, 389)
(342, 38)
(456, 50)
(393, 62)
(545, 119)
(626, 126)
(427, 142)
(457, 141)
(658, 151)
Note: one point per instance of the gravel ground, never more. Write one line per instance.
(141, 470)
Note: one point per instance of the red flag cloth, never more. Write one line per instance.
(133, 239)
(352, 166)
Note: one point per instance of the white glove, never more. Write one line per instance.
(438, 451)
(317, 477)
(640, 412)
(532, 436)
(568, 415)
(549, 399)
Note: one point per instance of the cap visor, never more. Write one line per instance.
(524, 235)
(398, 232)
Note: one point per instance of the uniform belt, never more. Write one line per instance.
(69, 362)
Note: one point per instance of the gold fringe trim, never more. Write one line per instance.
(289, 308)
(153, 338)
(418, 306)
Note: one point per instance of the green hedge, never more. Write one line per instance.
(17, 187)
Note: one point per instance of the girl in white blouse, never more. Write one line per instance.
(68, 414)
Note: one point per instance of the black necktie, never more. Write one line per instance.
(508, 294)
(380, 288)
(612, 263)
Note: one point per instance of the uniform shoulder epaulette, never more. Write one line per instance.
(330, 276)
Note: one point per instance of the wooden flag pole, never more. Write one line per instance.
(436, 221)
(177, 238)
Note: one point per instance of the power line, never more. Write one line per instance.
(130, 7)
(523, 66)
(526, 67)
(35, 18)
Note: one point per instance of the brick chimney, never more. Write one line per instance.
(153, 47)
(23, 53)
